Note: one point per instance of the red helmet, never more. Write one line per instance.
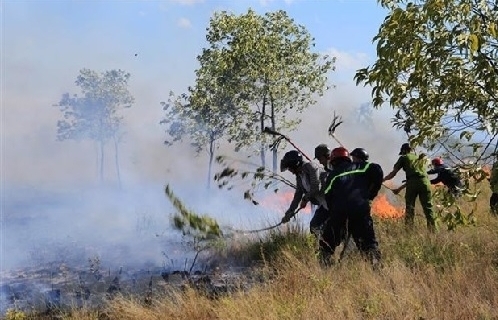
(339, 152)
(437, 161)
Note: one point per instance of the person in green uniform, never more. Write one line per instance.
(417, 185)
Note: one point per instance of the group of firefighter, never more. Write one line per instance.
(344, 184)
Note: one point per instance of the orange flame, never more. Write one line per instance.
(381, 207)
(281, 201)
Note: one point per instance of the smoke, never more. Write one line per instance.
(53, 208)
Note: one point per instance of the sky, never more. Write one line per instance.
(45, 43)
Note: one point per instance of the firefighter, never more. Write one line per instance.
(493, 183)
(374, 171)
(308, 189)
(417, 185)
(348, 192)
(446, 176)
(322, 154)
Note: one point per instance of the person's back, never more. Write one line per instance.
(348, 187)
(373, 170)
(445, 175)
(348, 193)
(311, 179)
(414, 166)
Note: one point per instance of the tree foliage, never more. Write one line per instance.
(198, 116)
(95, 114)
(437, 66)
(189, 223)
(266, 66)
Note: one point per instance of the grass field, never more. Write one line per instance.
(447, 275)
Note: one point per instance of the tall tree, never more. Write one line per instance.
(95, 114)
(437, 66)
(265, 64)
(194, 115)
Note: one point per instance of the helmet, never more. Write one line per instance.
(291, 159)
(340, 152)
(405, 148)
(360, 153)
(437, 161)
(322, 150)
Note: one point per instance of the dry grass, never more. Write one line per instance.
(448, 275)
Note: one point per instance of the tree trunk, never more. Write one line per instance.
(97, 159)
(262, 124)
(211, 157)
(101, 174)
(273, 127)
(116, 160)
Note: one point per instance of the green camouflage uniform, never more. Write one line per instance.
(417, 185)
(493, 183)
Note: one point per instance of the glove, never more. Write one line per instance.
(288, 215)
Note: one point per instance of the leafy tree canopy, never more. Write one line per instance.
(265, 64)
(94, 114)
(437, 66)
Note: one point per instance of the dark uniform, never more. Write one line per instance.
(493, 183)
(448, 177)
(348, 193)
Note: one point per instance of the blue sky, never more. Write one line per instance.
(46, 43)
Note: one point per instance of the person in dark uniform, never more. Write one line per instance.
(348, 192)
(446, 176)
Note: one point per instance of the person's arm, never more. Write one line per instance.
(397, 166)
(439, 171)
(398, 189)
(437, 179)
(298, 195)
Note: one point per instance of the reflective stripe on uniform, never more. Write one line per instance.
(362, 170)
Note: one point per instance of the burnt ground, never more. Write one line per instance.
(52, 243)
(60, 286)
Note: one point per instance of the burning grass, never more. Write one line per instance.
(447, 275)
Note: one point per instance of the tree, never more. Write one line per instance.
(194, 115)
(94, 115)
(437, 66)
(265, 64)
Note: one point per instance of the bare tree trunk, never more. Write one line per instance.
(101, 175)
(116, 160)
(97, 159)
(211, 158)
(273, 127)
(262, 124)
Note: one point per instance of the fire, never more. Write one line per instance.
(280, 202)
(381, 207)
